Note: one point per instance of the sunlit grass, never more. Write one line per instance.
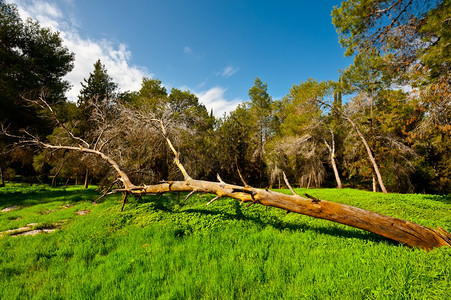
(160, 249)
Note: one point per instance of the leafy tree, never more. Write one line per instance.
(98, 93)
(304, 137)
(234, 145)
(412, 38)
(260, 106)
(152, 95)
(32, 59)
(407, 30)
(99, 87)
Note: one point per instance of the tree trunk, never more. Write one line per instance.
(2, 177)
(374, 183)
(86, 185)
(332, 159)
(370, 155)
(337, 175)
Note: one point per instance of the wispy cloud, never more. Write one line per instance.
(187, 50)
(214, 99)
(229, 71)
(115, 57)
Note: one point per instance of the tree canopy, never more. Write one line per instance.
(32, 58)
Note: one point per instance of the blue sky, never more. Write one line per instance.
(213, 48)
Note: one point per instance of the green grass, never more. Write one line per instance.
(159, 249)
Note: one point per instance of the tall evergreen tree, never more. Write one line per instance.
(261, 114)
(98, 93)
(99, 87)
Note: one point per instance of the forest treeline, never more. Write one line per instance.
(384, 125)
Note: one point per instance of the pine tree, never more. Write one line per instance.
(98, 88)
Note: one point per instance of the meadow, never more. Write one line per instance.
(158, 248)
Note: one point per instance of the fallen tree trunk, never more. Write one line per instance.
(402, 231)
(405, 232)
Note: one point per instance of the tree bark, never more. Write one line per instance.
(337, 175)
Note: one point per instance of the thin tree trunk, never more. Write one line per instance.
(86, 179)
(374, 183)
(370, 155)
(332, 159)
(365, 143)
(2, 177)
(337, 175)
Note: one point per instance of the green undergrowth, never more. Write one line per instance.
(158, 248)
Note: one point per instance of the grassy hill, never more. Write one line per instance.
(160, 249)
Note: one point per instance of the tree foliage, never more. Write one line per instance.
(32, 60)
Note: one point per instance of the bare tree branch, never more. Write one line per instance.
(288, 183)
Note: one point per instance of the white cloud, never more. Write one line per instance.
(188, 50)
(214, 99)
(116, 58)
(229, 71)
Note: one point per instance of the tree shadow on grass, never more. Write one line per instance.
(354, 233)
(32, 197)
(167, 203)
(440, 198)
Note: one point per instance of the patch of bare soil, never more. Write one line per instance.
(7, 209)
(34, 228)
(30, 229)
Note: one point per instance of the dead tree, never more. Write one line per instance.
(402, 231)
(331, 148)
(364, 141)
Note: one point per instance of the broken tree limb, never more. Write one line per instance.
(212, 200)
(288, 184)
(189, 195)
